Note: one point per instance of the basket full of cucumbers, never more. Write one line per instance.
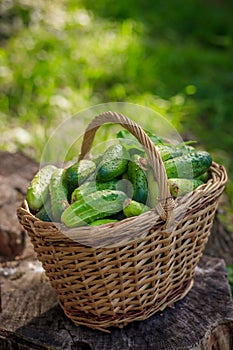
(120, 234)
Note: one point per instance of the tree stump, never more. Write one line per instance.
(32, 319)
(15, 173)
(220, 243)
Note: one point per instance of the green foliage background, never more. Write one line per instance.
(59, 57)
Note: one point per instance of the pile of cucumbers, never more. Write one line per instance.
(116, 185)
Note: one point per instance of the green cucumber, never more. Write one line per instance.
(137, 177)
(186, 148)
(77, 173)
(168, 152)
(153, 189)
(189, 165)
(93, 186)
(125, 134)
(43, 214)
(133, 208)
(102, 222)
(58, 194)
(97, 205)
(130, 143)
(204, 177)
(39, 187)
(157, 140)
(97, 159)
(113, 163)
(179, 187)
(118, 216)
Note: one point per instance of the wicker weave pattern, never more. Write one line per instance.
(131, 280)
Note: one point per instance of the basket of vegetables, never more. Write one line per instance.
(120, 235)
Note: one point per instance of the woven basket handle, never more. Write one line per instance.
(165, 202)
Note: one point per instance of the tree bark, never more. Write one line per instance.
(15, 173)
(220, 243)
(32, 319)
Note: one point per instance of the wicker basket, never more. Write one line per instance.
(117, 273)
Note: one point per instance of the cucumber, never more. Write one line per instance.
(97, 205)
(167, 152)
(125, 134)
(180, 187)
(133, 208)
(153, 189)
(204, 177)
(157, 140)
(130, 143)
(102, 222)
(186, 148)
(39, 187)
(118, 216)
(97, 159)
(77, 173)
(113, 163)
(189, 165)
(43, 214)
(58, 194)
(138, 179)
(92, 186)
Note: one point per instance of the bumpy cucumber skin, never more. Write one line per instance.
(189, 165)
(113, 163)
(97, 205)
(138, 179)
(167, 152)
(39, 187)
(133, 208)
(77, 173)
(179, 187)
(92, 186)
(58, 194)
(153, 189)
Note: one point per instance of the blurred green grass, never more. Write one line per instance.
(175, 56)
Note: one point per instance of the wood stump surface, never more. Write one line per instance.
(16, 170)
(32, 319)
